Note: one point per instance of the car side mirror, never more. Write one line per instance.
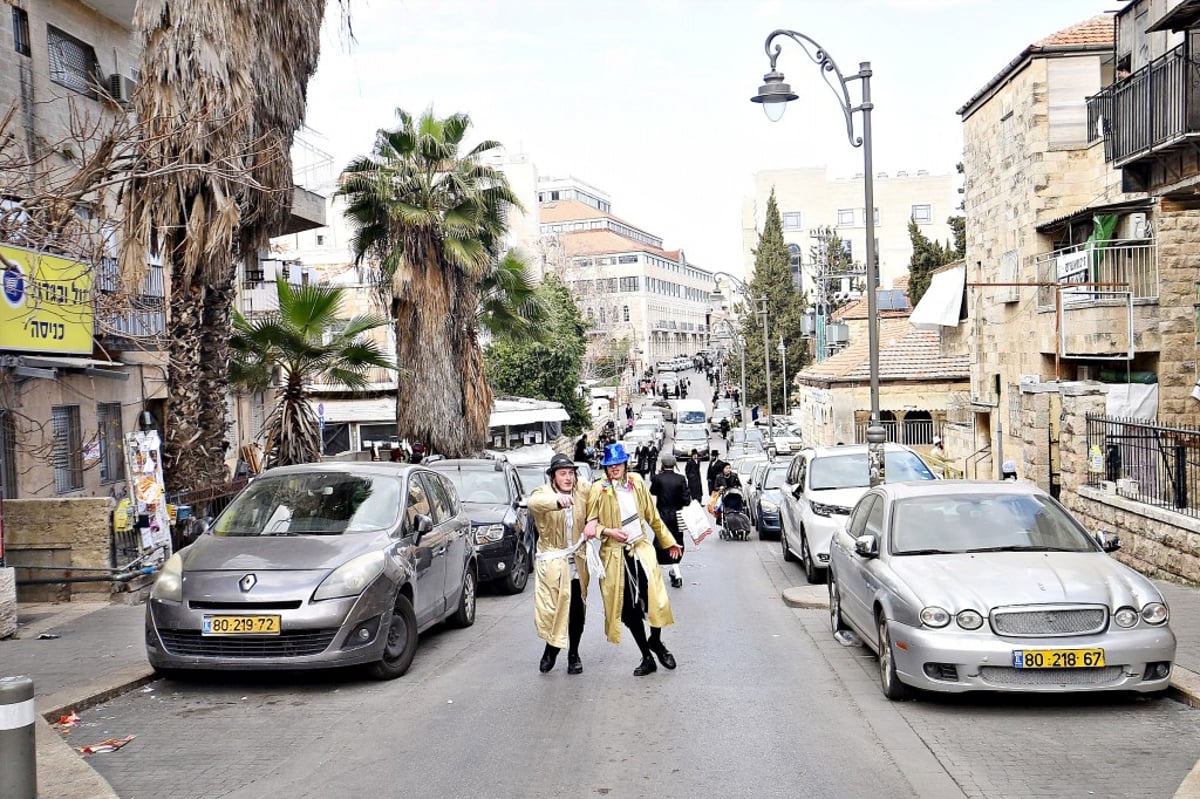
(796, 492)
(866, 546)
(421, 524)
(194, 528)
(1109, 542)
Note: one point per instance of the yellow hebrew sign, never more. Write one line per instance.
(46, 303)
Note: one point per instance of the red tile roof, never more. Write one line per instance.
(858, 308)
(1097, 30)
(905, 354)
(603, 242)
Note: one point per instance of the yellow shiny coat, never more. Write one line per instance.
(603, 505)
(552, 586)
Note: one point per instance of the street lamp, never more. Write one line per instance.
(740, 343)
(742, 288)
(774, 95)
(786, 390)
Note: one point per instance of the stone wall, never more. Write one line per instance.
(1178, 234)
(67, 533)
(1155, 541)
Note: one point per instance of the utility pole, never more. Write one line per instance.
(767, 366)
(786, 388)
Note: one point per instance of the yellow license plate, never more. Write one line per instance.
(240, 625)
(1058, 658)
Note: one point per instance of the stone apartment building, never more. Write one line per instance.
(810, 200)
(626, 284)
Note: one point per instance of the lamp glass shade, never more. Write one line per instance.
(774, 109)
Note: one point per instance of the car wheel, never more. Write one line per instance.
(465, 615)
(812, 572)
(836, 623)
(787, 553)
(400, 644)
(518, 575)
(889, 682)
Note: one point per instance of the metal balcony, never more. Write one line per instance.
(1153, 110)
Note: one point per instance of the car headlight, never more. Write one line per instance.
(821, 509)
(169, 584)
(487, 533)
(935, 617)
(769, 507)
(1126, 617)
(1155, 613)
(968, 619)
(351, 577)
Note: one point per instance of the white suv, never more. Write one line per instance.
(823, 484)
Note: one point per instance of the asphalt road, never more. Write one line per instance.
(764, 703)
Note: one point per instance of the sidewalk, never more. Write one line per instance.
(98, 653)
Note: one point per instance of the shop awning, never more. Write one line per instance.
(943, 301)
(507, 413)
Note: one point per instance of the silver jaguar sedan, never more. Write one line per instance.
(982, 586)
(319, 565)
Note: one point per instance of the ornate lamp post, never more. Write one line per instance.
(774, 95)
(742, 288)
(740, 343)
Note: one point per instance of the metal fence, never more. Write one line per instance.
(912, 432)
(1145, 462)
(201, 503)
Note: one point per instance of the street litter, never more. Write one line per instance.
(847, 638)
(48, 636)
(111, 745)
(65, 723)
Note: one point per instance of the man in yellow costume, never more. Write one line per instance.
(560, 566)
(621, 511)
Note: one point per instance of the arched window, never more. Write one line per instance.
(795, 260)
(625, 314)
(603, 316)
(590, 314)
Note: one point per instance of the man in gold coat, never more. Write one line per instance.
(621, 511)
(560, 567)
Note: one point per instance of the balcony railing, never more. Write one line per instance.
(1131, 262)
(137, 316)
(1151, 109)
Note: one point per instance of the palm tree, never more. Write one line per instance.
(222, 91)
(509, 302)
(303, 339)
(432, 217)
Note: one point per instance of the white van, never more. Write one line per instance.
(690, 411)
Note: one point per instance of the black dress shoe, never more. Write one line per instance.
(547, 662)
(664, 657)
(647, 666)
(574, 664)
(676, 582)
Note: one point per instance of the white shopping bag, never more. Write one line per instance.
(696, 520)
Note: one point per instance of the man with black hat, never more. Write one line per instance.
(622, 513)
(670, 490)
(561, 563)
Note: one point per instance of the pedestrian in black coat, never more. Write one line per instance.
(715, 467)
(692, 470)
(670, 491)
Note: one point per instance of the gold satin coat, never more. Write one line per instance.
(605, 507)
(552, 586)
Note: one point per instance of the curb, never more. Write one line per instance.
(812, 597)
(94, 692)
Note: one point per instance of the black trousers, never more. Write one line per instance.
(634, 605)
(575, 617)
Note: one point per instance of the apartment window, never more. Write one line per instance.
(627, 259)
(72, 62)
(791, 220)
(629, 284)
(625, 313)
(68, 448)
(21, 31)
(848, 250)
(922, 213)
(603, 316)
(112, 451)
(846, 216)
(8, 455)
(876, 215)
(320, 240)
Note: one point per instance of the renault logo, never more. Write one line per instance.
(247, 582)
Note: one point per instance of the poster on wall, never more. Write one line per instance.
(143, 466)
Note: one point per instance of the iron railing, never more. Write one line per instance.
(134, 316)
(1130, 262)
(1145, 462)
(911, 432)
(1152, 107)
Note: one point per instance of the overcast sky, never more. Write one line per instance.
(649, 99)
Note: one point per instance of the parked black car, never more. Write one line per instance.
(492, 494)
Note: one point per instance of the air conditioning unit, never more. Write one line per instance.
(1137, 226)
(120, 88)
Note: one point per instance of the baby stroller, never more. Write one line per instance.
(735, 524)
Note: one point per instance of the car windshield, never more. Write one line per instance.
(692, 417)
(749, 436)
(850, 470)
(312, 503)
(690, 434)
(725, 404)
(479, 485)
(531, 476)
(649, 428)
(775, 476)
(985, 523)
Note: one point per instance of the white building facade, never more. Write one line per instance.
(810, 200)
